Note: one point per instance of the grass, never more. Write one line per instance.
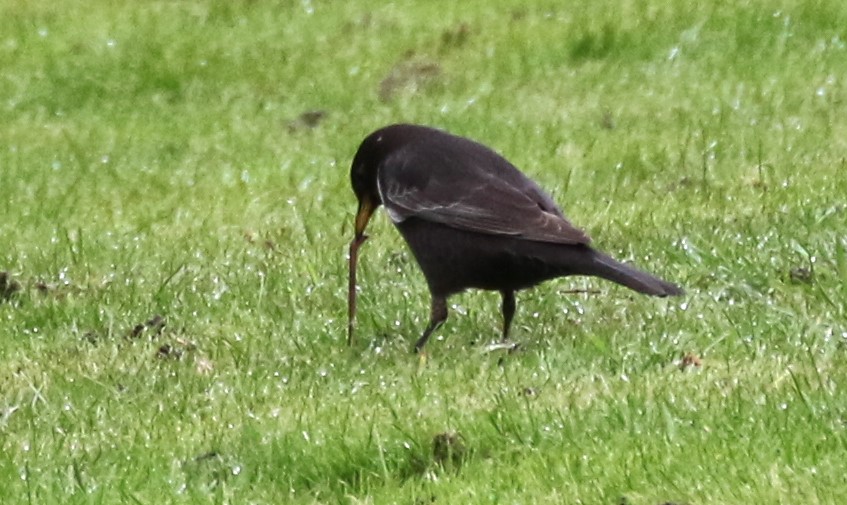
(156, 161)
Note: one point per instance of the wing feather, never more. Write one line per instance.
(465, 185)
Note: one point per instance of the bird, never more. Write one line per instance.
(472, 220)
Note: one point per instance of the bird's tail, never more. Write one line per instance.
(605, 267)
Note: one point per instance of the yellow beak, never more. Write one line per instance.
(366, 210)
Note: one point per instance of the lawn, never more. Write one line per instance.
(176, 210)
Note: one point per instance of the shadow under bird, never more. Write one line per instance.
(472, 220)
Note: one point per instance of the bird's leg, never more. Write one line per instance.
(508, 311)
(437, 315)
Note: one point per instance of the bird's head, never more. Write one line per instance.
(373, 151)
(363, 174)
(371, 154)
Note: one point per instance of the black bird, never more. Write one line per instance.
(472, 220)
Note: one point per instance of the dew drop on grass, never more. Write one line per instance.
(673, 53)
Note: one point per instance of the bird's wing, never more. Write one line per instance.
(471, 188)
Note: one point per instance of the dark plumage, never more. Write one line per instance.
(472, 220)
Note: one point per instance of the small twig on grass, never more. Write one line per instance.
(578, 291)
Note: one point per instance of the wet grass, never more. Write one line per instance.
(190, 161)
